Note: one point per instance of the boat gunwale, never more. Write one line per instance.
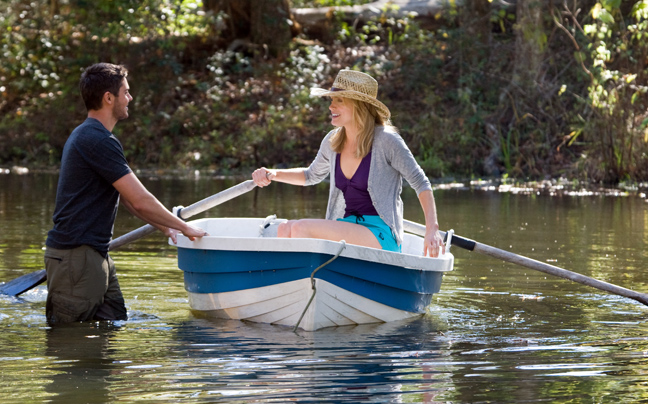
(444, 263)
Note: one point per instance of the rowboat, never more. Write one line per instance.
(243, 271)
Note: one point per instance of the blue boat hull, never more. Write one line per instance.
(212, 271)
(240, 271)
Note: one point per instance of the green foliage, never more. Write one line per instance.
(47, 44)
(455, 100)
(250, 113)
(617, 49)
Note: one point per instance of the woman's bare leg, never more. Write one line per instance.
(328, 230)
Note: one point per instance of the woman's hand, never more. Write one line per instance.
(262, 177)
(433, 243)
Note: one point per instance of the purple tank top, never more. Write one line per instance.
(356, 195)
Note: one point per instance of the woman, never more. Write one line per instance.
(367, 160)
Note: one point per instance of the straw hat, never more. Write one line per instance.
(356, 85)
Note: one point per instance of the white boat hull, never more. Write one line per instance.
(285, 303)
(241, 272)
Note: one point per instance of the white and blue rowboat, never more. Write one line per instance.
(243, 271)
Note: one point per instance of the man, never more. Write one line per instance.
(94, 176)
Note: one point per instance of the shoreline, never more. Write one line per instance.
(552, 187)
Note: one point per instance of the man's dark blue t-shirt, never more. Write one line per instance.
(86, 202)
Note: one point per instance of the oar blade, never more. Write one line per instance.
(23, 283)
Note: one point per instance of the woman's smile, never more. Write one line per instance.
(341, 111)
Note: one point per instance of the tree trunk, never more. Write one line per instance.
(476, 30)
(238, 16)
(401, 8)
(256, 24)
(530, 44)
(509, 131)
(54, 8)
(270, 26)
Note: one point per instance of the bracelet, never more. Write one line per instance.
(268, 174)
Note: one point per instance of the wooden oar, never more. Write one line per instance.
(472, 245)
(33, 279)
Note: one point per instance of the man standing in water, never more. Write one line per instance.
(81, 279)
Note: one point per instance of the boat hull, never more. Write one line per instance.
(240, 273)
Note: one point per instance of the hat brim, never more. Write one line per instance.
(356, 95)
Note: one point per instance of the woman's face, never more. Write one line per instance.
(341, 112)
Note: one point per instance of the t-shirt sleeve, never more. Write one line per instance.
(108, 160)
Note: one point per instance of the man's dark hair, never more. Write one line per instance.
(99, 78)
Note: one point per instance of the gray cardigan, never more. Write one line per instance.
(391, 161)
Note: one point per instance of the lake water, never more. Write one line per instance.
(495, 333)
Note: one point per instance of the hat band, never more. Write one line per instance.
(334, 89)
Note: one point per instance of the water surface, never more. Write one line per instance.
(495, 333)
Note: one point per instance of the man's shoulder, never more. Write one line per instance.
(92, 126)
(90, 133)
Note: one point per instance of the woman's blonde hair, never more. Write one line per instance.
(366, 119)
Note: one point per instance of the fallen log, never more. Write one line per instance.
(397, 8)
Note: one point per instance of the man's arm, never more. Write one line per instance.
(140, 202)
(135, 213)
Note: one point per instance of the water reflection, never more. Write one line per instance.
(378, 362)
(80, 362)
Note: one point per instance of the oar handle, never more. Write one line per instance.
(216, 199)
(186, 213)
(131, 236)
(507, 256)
(461, 242)
(419, 229)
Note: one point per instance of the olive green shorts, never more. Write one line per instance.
(82, 286)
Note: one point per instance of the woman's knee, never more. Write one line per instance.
(284, 229)
(295, 229)
(302, 229)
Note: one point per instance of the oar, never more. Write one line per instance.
(33, 279)
(472, 245)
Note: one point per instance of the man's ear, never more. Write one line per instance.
(108, 97)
